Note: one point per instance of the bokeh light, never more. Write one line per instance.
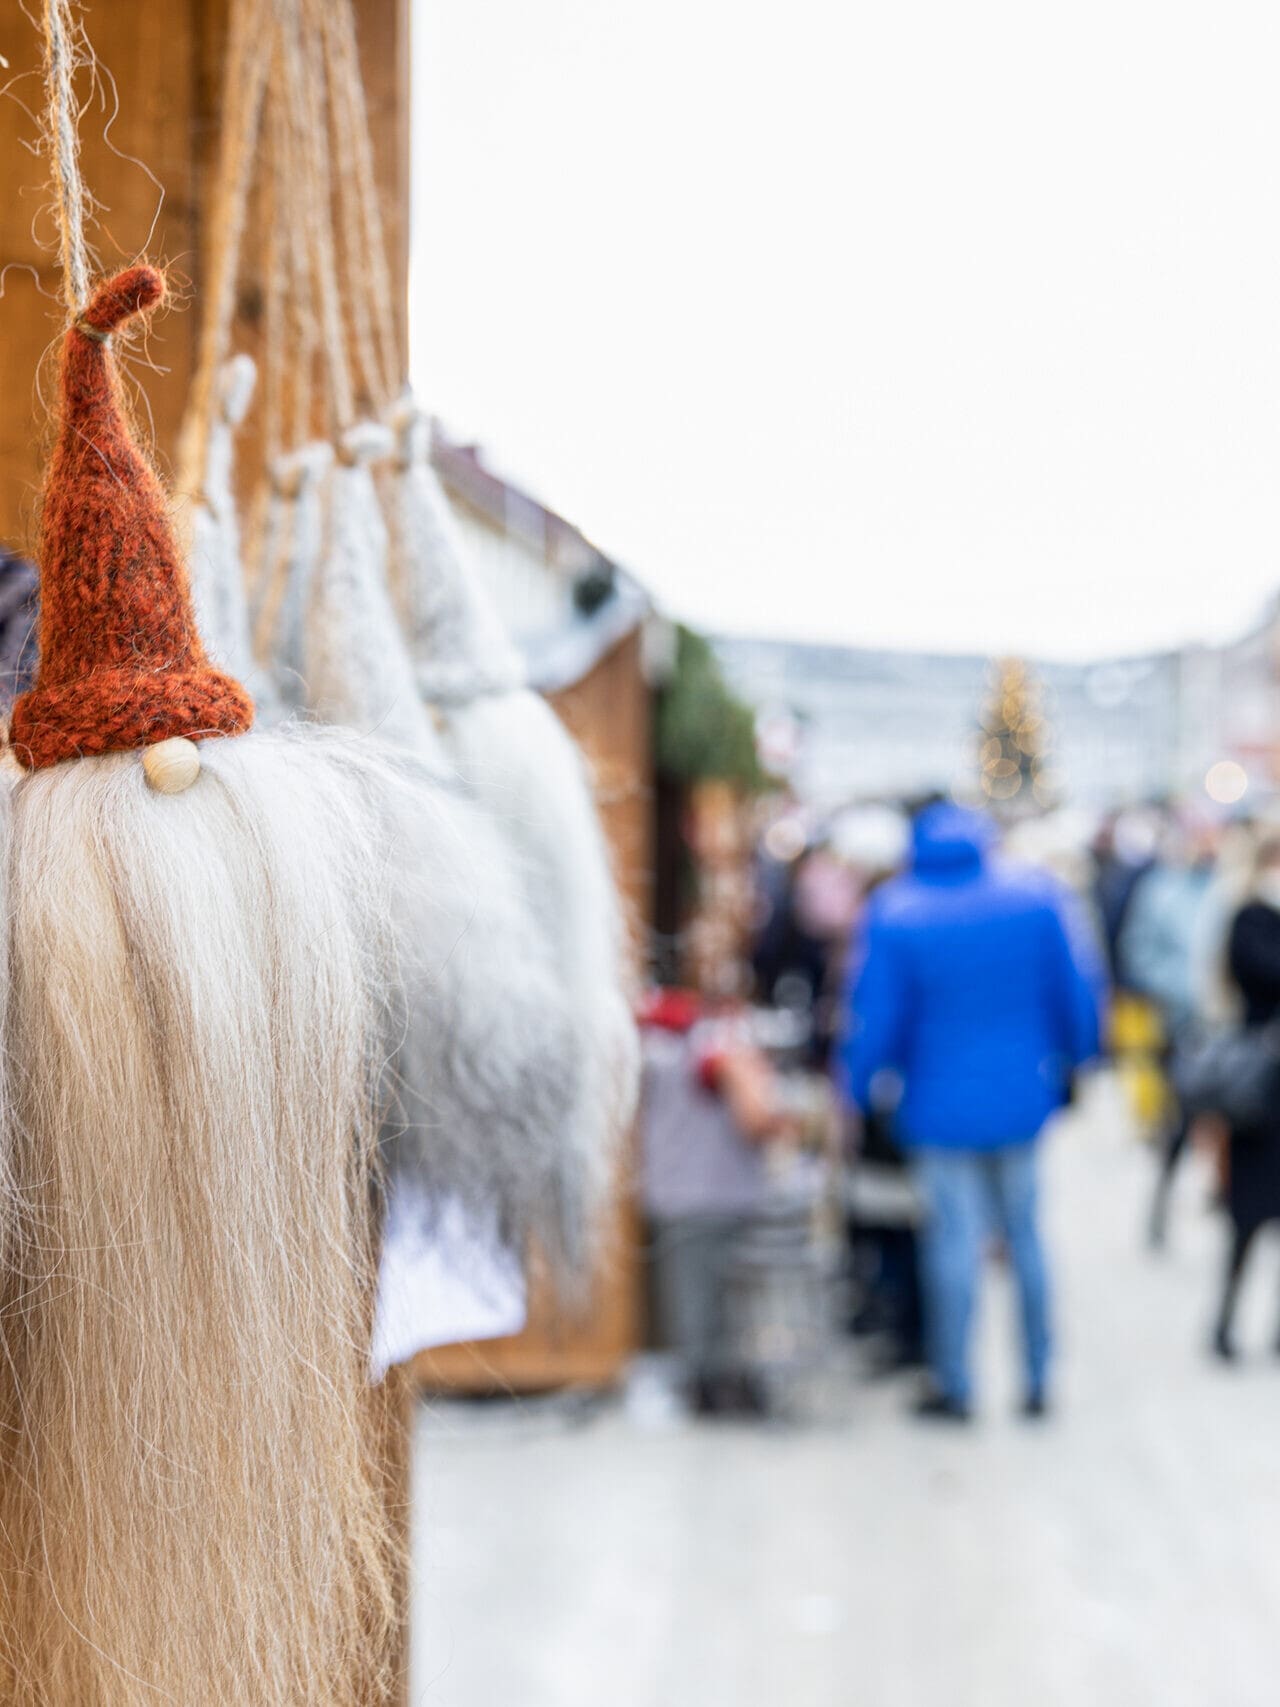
(1226, 782)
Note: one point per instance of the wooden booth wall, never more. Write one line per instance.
(167, 62)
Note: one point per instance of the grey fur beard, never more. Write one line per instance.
(526, 775)
(527, 779)
(484, 1057)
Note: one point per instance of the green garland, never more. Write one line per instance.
(704, 732)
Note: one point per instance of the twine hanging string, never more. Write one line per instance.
(278, 379)
(291, 339)
(275, 289)
(305, 94)
(304, 336)
(349, 235)
(248, 56)
(295, 147)
(290, 343)
(298, 61)
(364, 245)
(63, 52)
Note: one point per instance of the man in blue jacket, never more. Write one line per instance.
(978, 995)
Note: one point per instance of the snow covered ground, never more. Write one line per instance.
(1126, 1554)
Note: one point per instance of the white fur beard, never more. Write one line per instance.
(522, 768)
(485, 1054)
(528, 782)
(188, 1510)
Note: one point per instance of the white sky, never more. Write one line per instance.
(933, 324)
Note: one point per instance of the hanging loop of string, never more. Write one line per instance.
(247, 63)
(295, 125)
(345, 277)
(306, 87)
(364, 244)
(63, 40)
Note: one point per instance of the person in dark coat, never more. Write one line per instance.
(1116, 877)
(1253, 1185)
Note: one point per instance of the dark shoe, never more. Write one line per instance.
(893, 1357)
(728, 1395)
(705, 1398)
(933, 1406)
(1035, 1407)
(1224, 1347)
(744, 1395)
(872, 1317)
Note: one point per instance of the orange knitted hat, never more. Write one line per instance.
(121, 662)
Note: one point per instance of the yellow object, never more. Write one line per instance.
(1137, 1047)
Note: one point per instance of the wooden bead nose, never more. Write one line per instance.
(172, 766)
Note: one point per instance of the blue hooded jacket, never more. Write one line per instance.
(976, 986)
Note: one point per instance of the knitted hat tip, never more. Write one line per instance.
(122, 665)
(135, 291)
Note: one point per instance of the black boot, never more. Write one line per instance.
(933, 1405)
(705, 1398)
(1224, 1345)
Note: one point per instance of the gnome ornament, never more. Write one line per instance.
(196, 1007)
(519, 764)
(482, 1052)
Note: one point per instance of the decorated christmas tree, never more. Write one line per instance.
(1013, 739)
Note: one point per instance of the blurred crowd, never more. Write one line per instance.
(839, 1136)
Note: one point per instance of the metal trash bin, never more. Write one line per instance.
(780, 1292)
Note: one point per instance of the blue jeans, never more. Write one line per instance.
(967, 1194)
